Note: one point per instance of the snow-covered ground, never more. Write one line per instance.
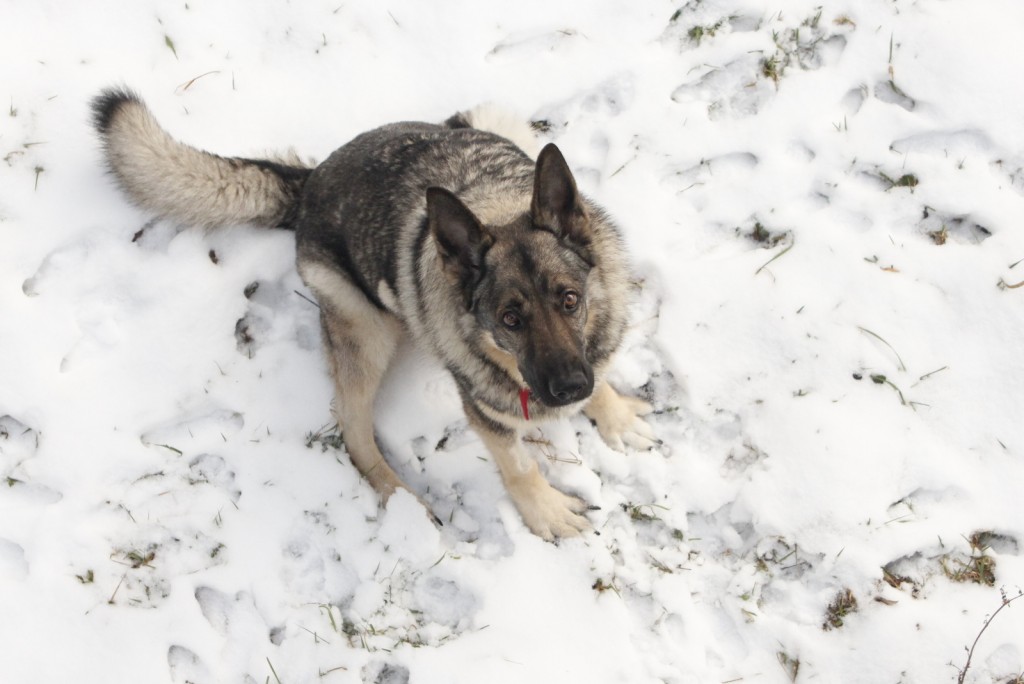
(823, 200)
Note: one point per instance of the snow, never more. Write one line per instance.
(823, 204)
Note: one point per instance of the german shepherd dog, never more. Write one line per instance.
(449, 233)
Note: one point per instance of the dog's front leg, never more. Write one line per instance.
(618, 419)
(548, 513)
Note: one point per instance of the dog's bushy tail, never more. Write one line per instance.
(185, 184)
(494, 119)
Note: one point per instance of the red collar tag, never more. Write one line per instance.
(524, 396)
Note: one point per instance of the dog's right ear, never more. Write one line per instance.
(461, 240)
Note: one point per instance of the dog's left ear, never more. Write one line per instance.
(461, 241)
(557, 205)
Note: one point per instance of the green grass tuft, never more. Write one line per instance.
(978, 568)
(842, 605)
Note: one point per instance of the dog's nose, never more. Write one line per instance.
(568, 388)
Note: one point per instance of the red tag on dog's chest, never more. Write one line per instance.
(524, 396)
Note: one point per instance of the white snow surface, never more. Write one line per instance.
(823, 200)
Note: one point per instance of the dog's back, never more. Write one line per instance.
(363, 201)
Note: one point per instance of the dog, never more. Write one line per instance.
(449, 233)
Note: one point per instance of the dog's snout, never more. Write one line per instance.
(570, 387)
(560, 382)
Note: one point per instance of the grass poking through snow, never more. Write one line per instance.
(842, 605)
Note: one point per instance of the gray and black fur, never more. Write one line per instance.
(446, 232)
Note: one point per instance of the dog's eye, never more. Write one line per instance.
(570, 300)
(510, 320)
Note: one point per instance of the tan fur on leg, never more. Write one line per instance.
(359, 340)
(618, 419)
(548, 513)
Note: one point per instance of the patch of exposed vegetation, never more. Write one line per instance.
(978, 567)
(842, 605)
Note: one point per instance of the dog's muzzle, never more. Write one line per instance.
(562, 384)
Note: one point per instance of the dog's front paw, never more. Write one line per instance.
(548, 513)
(619, 420)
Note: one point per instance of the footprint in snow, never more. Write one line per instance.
(696, 23)
(17, 440)
(379, 672)
(212, 427)
(18, 444)
(890, 93)
(941, 227)
(156, 235)
(213, 470)
(956, 144)
(186, 667)
(731, 167)
(444, 602)
(522, 45)
(237, 619)
(588, 111)
(272, 305)
(13, 564)
(854, 100)
(608, 99)
(60, 261)
(733, 91)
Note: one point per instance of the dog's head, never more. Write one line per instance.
(526, 282)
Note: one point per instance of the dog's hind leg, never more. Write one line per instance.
(359, 340)
(548, 513)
